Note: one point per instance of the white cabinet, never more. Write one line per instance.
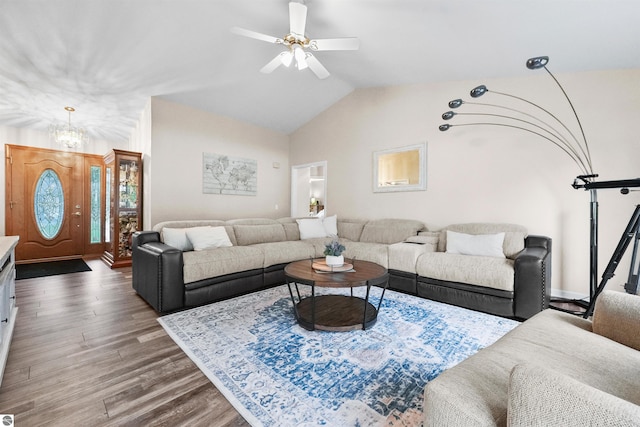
(8, 308)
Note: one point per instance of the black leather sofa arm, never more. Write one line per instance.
(157, 272)
(532, 285)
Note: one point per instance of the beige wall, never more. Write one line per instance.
(488, 174)
(181, 135)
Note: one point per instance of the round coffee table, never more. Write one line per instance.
(335, 312)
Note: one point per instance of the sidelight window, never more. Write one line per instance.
(96, 211)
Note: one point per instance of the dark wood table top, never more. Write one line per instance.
(364, 271)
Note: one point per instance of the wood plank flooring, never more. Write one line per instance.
(87, 351)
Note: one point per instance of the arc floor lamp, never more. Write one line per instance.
(530, 117)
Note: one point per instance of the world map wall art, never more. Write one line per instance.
(229, 175)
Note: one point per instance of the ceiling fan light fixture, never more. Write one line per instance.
(302, 64)
(286, 58)
(301, 57)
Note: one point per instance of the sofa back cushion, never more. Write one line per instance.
(350, 229)
(290, 228)
(389, 231)
(252, 234)
(514, 235)
(617, 317)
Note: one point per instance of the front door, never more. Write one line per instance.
(46, 202)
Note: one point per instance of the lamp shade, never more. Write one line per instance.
(478, 91)
(537, 62)
(456, 103)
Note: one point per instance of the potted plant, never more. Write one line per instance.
(333, 253)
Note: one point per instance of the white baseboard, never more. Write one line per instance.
(559, 293)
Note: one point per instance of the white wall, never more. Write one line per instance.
(34, 138)
(489, 174)
(181, 135)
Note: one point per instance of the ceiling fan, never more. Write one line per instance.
(298, 44)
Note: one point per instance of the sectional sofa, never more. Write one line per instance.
(181, 264)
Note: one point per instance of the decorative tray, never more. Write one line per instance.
(321, 266)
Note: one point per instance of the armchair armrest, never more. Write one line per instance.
(532, 286)
(617, 317)
(157, 272)
(539, 396)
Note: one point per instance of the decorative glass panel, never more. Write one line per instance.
(48, 204)
(107, 211)
(128, 184)
(95, 204)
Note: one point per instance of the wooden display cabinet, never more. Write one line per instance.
(123, 214)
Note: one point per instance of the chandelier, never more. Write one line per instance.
(67, 135)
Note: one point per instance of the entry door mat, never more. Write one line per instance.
(275, 373)
(51, 268)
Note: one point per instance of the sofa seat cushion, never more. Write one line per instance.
(284, 252)
(475, 392)
(372, 252)
(490, 272)
(199, 265)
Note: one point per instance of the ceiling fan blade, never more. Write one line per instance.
(345, 43)
(297, 18)
(273, 64)
(255, 35)
(317, 68)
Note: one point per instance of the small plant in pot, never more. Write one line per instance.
(333, 253)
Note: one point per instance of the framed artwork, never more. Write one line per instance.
(400, 169)
(229, 175)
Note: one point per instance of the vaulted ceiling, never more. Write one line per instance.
(107, 57)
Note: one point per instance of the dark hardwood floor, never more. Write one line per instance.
(87, 351)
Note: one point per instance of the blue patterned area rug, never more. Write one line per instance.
(275, 373)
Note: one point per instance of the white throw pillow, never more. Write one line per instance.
(310, 228)
(318, 227)
(330, 224)
(479, 244)
(177, 238)
(208, 237)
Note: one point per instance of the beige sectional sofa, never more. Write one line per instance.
(250, 254)
(554, 369)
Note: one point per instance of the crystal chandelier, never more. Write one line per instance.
(67, 135)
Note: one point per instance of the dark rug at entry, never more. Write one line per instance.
(52, 268)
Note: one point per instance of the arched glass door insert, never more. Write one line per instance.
(48, 204)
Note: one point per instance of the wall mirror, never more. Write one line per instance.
(400, 169)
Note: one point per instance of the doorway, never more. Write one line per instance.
(54, 201)
(308, 189)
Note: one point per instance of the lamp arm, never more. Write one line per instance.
(587, 154)
(560, 142)
(577, 161)
(555, 132)
(588, 158)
